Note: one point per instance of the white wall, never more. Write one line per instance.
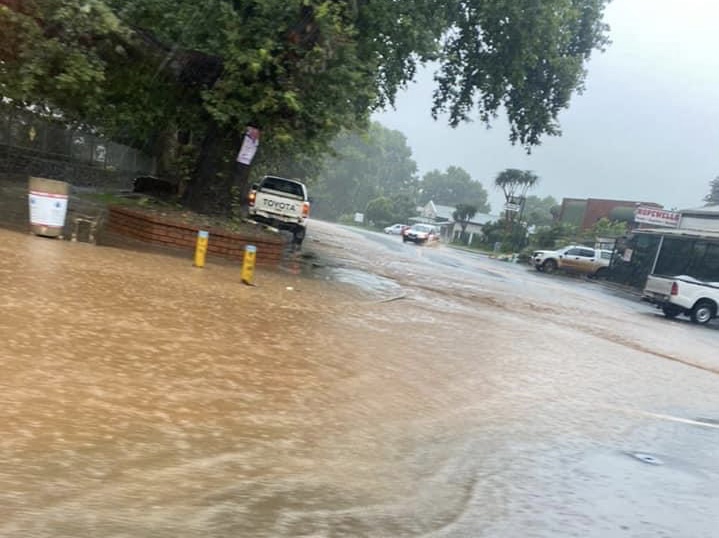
(699, 223)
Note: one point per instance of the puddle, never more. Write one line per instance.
(365, 281)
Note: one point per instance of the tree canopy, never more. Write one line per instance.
(300, 70)
(539, 211)
(451, 187)
(364, 166)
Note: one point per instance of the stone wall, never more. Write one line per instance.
(160, 231)
(14, 160)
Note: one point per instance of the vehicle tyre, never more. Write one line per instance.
(601, 272)
(549, 266)
(298, 236)
(703, 312)
(671, 311)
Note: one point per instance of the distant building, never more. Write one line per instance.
(443, 217)
(691, 248)
(700, 218)
(585, 212)
(474, 226)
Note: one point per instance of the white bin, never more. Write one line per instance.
(48, 206)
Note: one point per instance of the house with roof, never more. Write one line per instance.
(442, 216)
(474, 226)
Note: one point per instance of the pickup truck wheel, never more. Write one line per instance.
(703, 312)
(298, 236)
(670, 311)
(601, 272)
(549, 266)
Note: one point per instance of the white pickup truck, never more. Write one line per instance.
(282, 203)
(575, 258)
(683, 294)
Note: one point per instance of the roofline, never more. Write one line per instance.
(679, 232)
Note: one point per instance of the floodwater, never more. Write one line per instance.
(391, 390)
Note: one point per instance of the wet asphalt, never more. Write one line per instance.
(368, 388)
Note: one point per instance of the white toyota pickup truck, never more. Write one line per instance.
(683, 294)
(282, 203)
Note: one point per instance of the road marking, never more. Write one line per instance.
(662, 416)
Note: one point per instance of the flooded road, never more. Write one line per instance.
(391, 391)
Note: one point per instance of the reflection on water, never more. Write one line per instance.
(144, 397)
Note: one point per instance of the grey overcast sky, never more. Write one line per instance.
(646, 128)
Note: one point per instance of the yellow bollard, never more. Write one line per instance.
(248, 264)
(201, 248)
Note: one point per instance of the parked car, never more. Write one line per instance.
(575, 258)
(396, 229)
(685, 295)
(421, 234)
(282, 203)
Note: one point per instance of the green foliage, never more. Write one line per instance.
(622, 214)
(526, 55)
(403, 207)
(452, 187)
(555, 236)
(538, 211)
(607, 228)
(712, 198)
(383, 211)
(366, 165)
(380, 212)
(301, 70)
(463, 213)
(515, 183)
(494, 232)
(574, 212)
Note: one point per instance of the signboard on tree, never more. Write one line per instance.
(250, 143)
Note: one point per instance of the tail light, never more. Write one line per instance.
(251, 198)
(306, 209)
(675, 288)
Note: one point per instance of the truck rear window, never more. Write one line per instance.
(282, 185)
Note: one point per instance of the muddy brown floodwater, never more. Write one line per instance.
(390, 391)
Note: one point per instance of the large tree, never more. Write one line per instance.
(301, 70)
(451, 187)
(365, 165)
(539, 211)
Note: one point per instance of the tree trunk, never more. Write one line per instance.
(204, 193)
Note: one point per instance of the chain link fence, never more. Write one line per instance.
(24, 130)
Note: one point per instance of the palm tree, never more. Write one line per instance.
(514, 184)
(463, 213)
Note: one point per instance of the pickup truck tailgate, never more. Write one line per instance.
(659, 288)
(278, 205)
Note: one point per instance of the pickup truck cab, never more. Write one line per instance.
(683, 294)
(574, 258)
(282, 203)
